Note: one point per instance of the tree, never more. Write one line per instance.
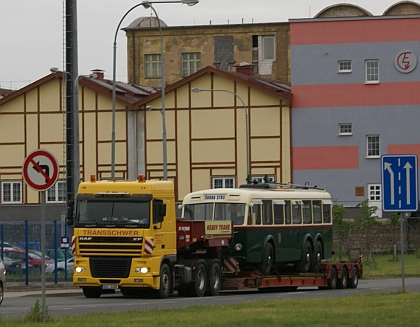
(342, 226)
(366, 222)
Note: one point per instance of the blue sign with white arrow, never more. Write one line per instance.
(399, 183)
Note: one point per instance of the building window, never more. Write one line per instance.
(223, 182)
(191, 63)
(268, 48)
(372, 71)
(373, 146)
(228, 67)
(11, 192)
(56, 193)
(374, 192)
(344, 66)
(345, 129)
(153, 66)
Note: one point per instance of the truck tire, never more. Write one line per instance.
(317, 257)
(92, 292)
(214, 282)
(343, 281)
(354, 279)
(268, 260)
(198, 285)
(332, 281)
(165, 282)
(304, 265)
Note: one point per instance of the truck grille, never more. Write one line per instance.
(110, 267)
(124, 246)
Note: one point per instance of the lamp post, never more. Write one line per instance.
(74, 165)
(198, 89)
(146, 5)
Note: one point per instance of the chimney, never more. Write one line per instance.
(98, 74)
(245, 68)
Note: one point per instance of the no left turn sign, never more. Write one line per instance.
(40, 170)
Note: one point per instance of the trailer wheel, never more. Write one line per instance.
(343, 281)
(165, 282)
(92, 292)
(214, 282)
(354, 279)
(332, 281)
(304, 265)
(317, 257)
(199, 284)
(268, 260)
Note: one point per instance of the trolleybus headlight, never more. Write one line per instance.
(238, 246)
(80, 269)
(143, 270)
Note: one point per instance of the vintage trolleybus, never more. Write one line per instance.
(276, 227)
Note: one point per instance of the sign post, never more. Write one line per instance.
(400, 191)
(40, 172)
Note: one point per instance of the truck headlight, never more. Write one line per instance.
(80, 269)
(238, 247)
(142, 270)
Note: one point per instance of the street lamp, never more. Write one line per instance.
(75, 167)
(198, 89)
(146, 5)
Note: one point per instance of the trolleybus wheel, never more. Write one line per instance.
(343, 281)
(354, 280)
(332, 281)
(214, 278)
(316, 262)
(268, 260)
(165, 282)
(199, 284)
(92, 292)
(304, 265)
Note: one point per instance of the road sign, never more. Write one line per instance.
(40, 170)
(399, 183)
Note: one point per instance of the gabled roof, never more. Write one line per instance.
(127, 94)
(4, 92)
(276, 88)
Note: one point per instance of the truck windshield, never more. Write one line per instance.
(113, 213)
(215, 211)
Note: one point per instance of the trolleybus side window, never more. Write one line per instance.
(297, 212)
(278, 210)
(267, 212)
(316, 206)
(287, 212)
(307, 212)
(255, 218)
(326, 210)
(201, 211)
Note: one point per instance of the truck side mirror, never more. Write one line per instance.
(159, 211)
(69, 218)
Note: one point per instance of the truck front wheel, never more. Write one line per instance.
(165, 282)
(92, 292)
(199, 284)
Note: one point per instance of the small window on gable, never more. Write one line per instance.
(223, 182)
(345, 129)
(344, 66)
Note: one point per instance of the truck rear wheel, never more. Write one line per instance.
(92, 292)
(342, 282)
(332, 281)
(165, 282)
(199, 284)
(354, 279)
(214, 278)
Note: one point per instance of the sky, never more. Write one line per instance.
(32, 31)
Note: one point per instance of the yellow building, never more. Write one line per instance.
(187, 49)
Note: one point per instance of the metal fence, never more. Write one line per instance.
(20, 249)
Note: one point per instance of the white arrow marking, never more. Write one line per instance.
(407, 168)
(391, 180)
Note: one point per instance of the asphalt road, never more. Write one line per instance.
(73, 302)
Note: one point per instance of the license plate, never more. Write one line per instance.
(109, 287)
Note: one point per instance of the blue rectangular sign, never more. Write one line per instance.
(399, 183)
